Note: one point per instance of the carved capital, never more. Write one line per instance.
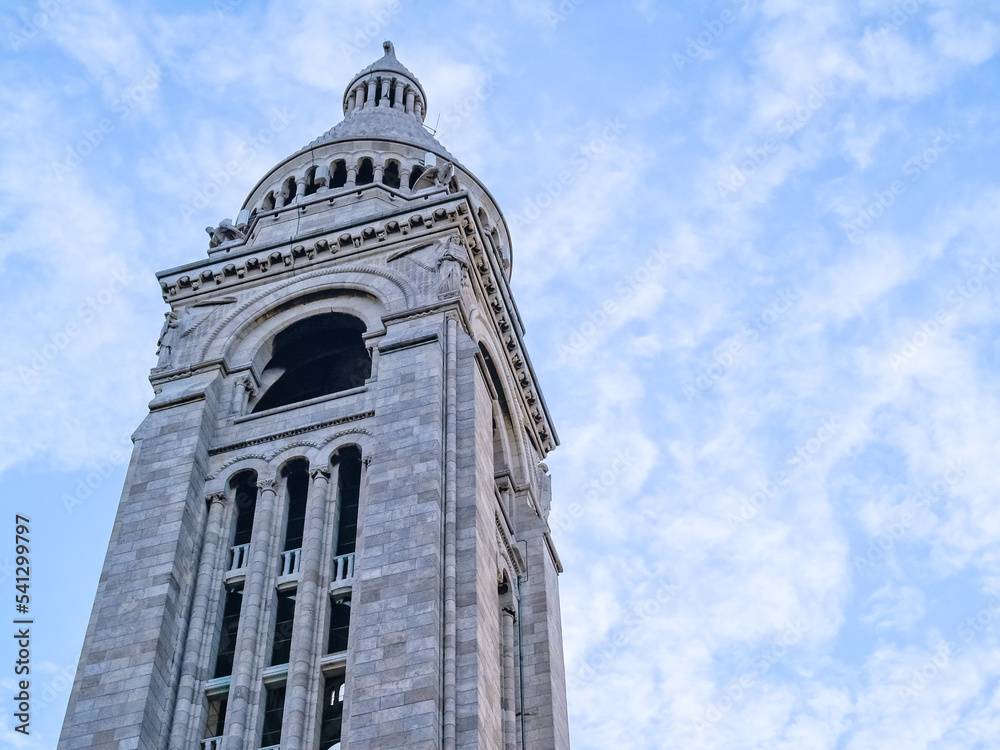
(320, 473)
(509, 612)
(267, 485)
(216, 497)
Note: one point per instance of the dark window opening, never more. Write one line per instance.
(245, 486)
(339, 174)
(215, 723)
(340, 623)
(378, 91)
(315, 357)
(288, 191)
(298, 489)
(227, 635)
(391, 175)
(366, 172)
(349, 491)
(282, 648)
(415, 175)
(393, 90)
(274, 707)
(311, 186)
(333, 713)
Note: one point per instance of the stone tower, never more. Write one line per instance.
(333, 528)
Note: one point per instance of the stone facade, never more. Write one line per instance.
(454, 626)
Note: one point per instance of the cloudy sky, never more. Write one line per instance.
(755, 246)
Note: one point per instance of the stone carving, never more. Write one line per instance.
(320, 473)
(440, 176)
(168, 335)
(216, 497)
(451, 264)
(267, 484)
(225, 232)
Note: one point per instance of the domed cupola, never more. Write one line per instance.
(378, 157)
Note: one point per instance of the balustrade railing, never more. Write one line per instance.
(211, 743)
(239, 557)
(290, 562)
(343, 568)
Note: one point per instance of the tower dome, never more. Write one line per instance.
(379, 152)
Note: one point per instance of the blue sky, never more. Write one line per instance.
(755, 247)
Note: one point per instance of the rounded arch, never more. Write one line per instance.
(369, 294)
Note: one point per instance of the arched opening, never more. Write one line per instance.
(268, 204)
(288, 191)
(366, 172)
(415, 175)
(503, 428)
(311, 185)
(349, 494)
(339, 174)
(244, 487)
(315, 357)
(391, 175)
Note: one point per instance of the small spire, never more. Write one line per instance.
(389, 49)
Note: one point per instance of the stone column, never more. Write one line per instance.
(398, 102)
(196, 627)
(350, 103)
(418, 109)
(359, 98)
(352, 176)
(410, 98)
(385, 99)
(300, 191)
(261, 554)
(371, 93)
(302, 674)
(508, 700)
(379, 172)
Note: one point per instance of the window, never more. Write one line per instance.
(333, 713)
(366, 172)
(216, 718)
(340, 622)
(227, 636)
(349, 490)
(298, 489)
(244, 486)
(282, 647)
(315, 357)
(339, 174)
(391, 175)
(415, 175)
(274, 707)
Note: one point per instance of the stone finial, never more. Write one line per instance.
(388, 48)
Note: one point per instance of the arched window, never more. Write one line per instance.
(366, 172)
(315, 357)
(415, 175)
(349, 494)
(391, 175)
(311, 185)
(244, 486)
(339, 174)
(288, 191)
